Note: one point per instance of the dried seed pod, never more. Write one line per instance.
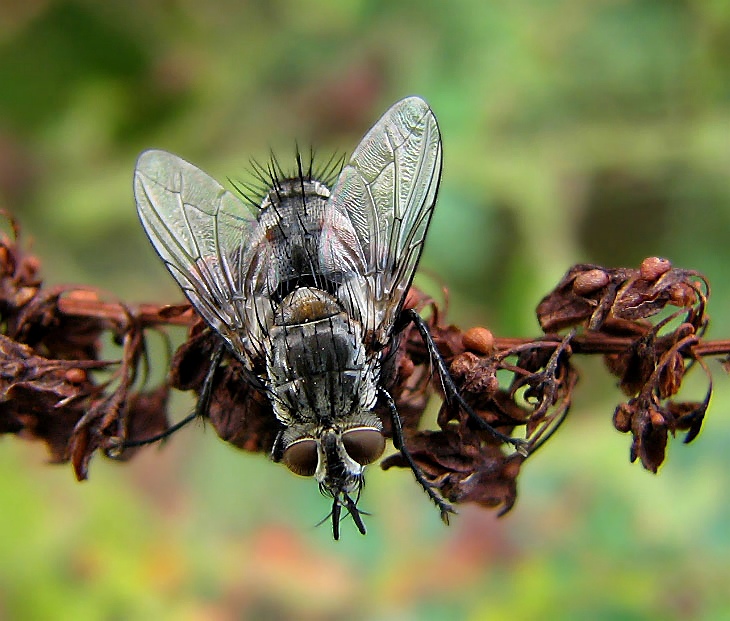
(76, 375)
(479, 340)
(650, 437)
(657, 418)
(475, 377)
(25, 295)
(590, 281)
(622, 418)
(653, 267)
(682, 295)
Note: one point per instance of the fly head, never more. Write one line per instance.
(336, 457)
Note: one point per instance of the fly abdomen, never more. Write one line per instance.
(316, 360)
(313, 349)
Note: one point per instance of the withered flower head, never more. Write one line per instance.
(648, 323)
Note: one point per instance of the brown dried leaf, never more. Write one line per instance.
(689, 416)
(463, 470)
(240, 414)
(671, 375)
(636, 366)
(191, 361)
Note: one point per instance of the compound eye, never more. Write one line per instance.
(301, 457)
(364, 444)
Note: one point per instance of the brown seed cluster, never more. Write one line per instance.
(647, 323)
(465, 462)
(55, 386)
(660, 312)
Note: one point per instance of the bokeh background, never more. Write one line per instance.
(573, 132)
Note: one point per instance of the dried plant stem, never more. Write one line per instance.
(149, 315)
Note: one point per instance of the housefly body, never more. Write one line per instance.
(307, 289)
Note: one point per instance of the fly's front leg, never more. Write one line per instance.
(452, 392)
(399, 442)
(201, 407)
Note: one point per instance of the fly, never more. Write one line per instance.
(307, 289)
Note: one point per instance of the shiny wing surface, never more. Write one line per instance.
(200, 230)
(387, 193)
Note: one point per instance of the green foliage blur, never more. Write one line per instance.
(573, 132)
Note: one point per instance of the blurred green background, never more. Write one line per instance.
(573, 132)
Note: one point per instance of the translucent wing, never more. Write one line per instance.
(386, 193)
(201, 232)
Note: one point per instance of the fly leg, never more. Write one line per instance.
(399, 442)
(201, 407)
(452, 392)
(351, 506)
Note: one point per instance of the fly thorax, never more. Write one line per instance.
(291, 219)
(317, 366)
